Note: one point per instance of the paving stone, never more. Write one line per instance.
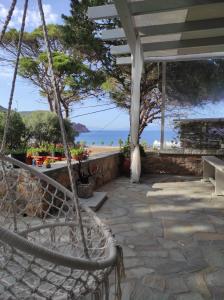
(130, 262)
(128, 251)
(177, 285)
(171, 231)
(196, 282)
(154, 282)
(172, 267)
(190, 296)
(141, 292)
(141, 240)
(213, 256)
(176, 255)
(139, 272)
(168, 244)
(216, 278)
(218, 293)
(155, 253)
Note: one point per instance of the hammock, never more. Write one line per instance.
(51, 246)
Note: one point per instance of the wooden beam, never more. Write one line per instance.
(113, 34)
(126, 60)
(155, 6)
(119, 34)
(119, 50)
(181, 27)
(181, 44)
(186, 57)
(146, 7)
(189, 43)
(102, 12)
(127, 23)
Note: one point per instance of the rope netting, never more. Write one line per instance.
(41, 250)
(51, 247)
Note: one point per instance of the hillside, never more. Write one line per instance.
(2, 108)
(80, 128)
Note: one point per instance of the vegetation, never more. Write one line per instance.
(17, 134)
(76, 79)
(79, 153)
(126, 149)
(44, 127)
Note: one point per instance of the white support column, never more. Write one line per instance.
(137, 68)
(163, 105)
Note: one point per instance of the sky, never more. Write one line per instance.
(27, 96)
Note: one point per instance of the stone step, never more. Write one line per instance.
(96, 201)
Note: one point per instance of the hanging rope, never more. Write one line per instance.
(8, 19)
(14, 78)
(63, 132)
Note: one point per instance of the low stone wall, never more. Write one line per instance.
(106, 166)
(177, 163)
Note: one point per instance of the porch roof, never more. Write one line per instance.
(168, 30)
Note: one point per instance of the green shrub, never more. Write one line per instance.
(17, 135)
(44, 127)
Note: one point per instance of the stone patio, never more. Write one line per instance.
(172, 233)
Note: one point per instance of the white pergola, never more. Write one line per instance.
(161, 31)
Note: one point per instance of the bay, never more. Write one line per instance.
(111, 137)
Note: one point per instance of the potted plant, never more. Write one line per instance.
(59, 151)
(80, 153)
(42, 151)
(84, 183)
(47, 163)
(19, 154)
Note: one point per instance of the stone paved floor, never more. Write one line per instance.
(172, 233)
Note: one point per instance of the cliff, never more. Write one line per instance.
(80, 128)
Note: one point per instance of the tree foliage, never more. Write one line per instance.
(44, 127)
(76, 78)
(16, 136)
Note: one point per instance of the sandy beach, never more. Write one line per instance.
(102, 149)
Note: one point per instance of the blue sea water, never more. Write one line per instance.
(111, 137)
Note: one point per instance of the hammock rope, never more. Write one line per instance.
(14, 76)
(63, 133)
(8, 19)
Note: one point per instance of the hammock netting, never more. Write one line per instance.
(51, 246)
(41, 253)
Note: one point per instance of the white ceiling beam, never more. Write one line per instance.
(113, 34)
(145, 7)
(169, 45)
(155, 6)
(127, 23)
(119, 34)
(120, 50)
(188, 43)
(102, 12)
(126, 60)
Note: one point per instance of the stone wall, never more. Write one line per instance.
(174, 163)
(106, 168)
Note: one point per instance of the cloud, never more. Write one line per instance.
(33, 17)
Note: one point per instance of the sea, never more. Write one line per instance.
(111, 137)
